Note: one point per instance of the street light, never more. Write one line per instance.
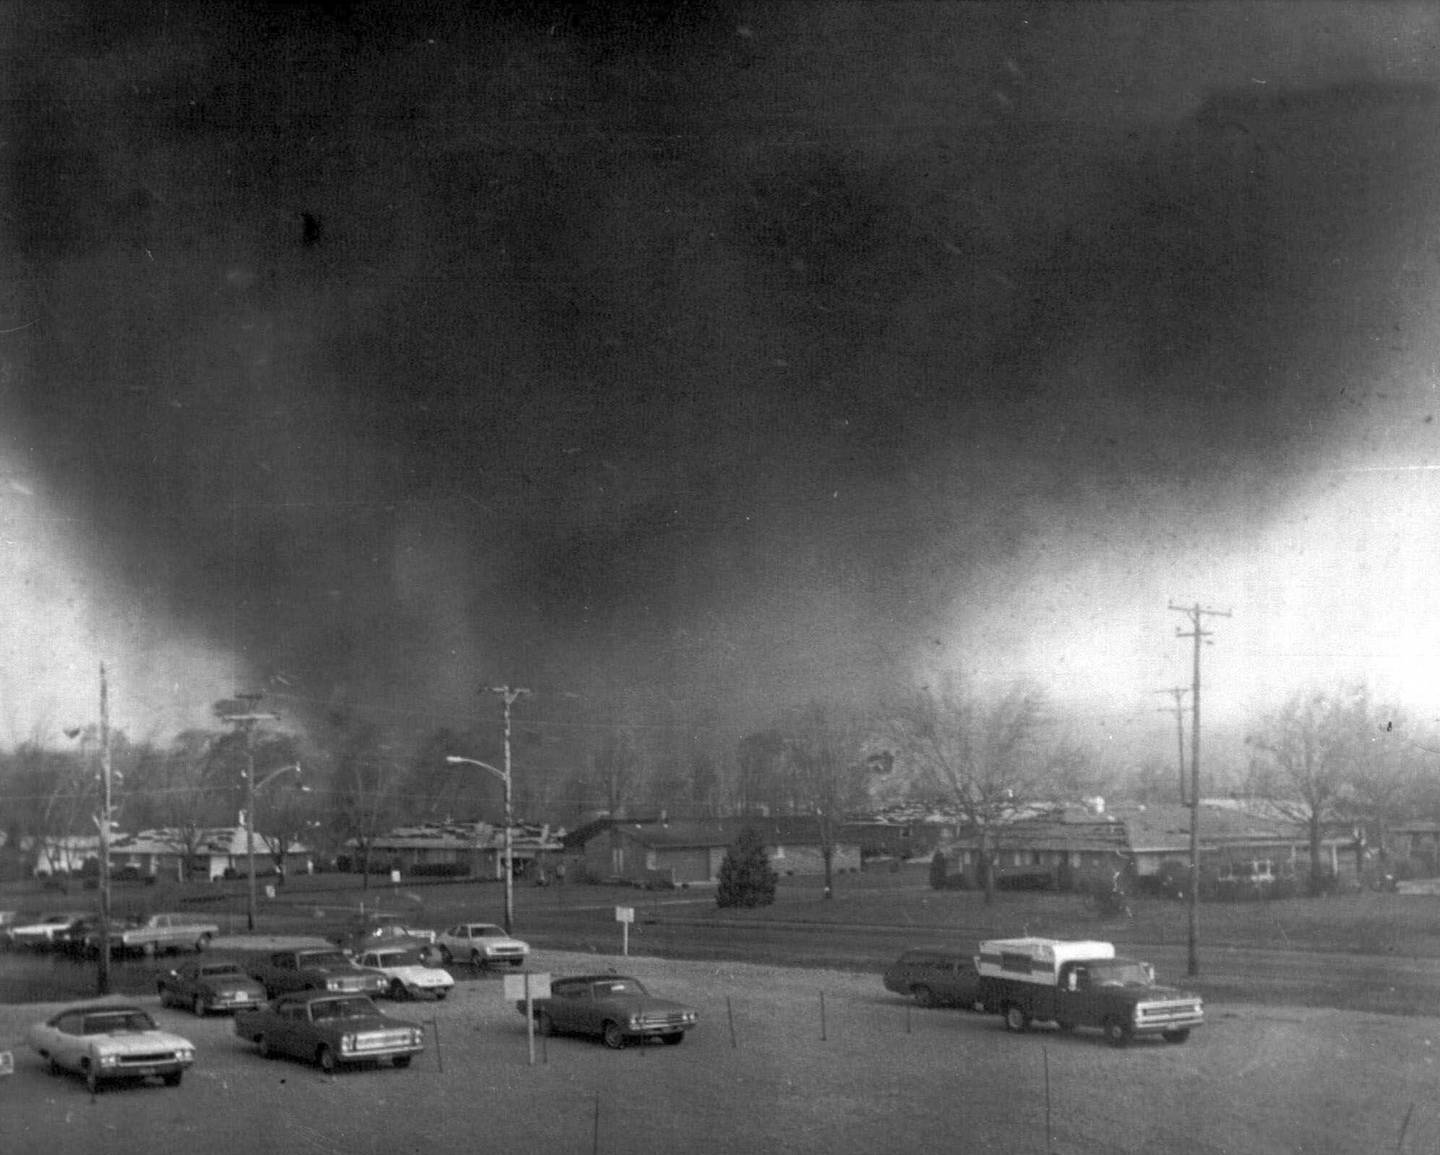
(504, 776)
(253, 788)
(509, 695)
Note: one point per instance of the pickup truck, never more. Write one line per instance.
(162, 934)
(315, 969)
(1082, 984)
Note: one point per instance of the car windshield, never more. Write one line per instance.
(333, 958)
(1119, 973)
(342, 1009)
(220, 970)
(398, 958)
(487, 931)
(618, 987)
(111, 1022)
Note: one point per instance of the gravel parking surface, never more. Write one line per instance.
(784, 1060)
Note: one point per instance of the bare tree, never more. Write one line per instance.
(981, 754)
(1309, 751)
(824, 751)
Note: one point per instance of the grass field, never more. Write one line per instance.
(1383, 926)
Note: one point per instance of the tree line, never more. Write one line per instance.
(1323, 759)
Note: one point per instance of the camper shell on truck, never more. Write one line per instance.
(1082, 984)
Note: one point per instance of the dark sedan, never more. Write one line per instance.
(209, 986)
(615, 1007)
(330, 1030)
(935, 976)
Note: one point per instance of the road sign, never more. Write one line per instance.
(526, 985)
(624, 914)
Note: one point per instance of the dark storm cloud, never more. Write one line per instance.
(399, 346)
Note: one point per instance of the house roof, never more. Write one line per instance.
(789, 830)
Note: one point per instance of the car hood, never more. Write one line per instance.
(220, 983)
(136, 1042)
(418, 974)
(637, 1004)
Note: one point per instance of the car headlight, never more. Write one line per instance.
(416, 1037)
(109, 1060)
(347, 1043)
(186, 1054)
(634, 1022)
(689, 1016)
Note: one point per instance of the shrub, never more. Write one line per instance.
(938, 866)
(746, 876)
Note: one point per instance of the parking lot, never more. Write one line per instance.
(784, 1059)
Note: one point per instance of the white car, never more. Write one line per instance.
(109, 1041)
(480, 944)
(39, 933)
(409, 976)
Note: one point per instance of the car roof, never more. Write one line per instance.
(320, 996)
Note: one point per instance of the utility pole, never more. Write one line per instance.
(1178, 693)
(241, 713)
(509, 695)
(103, 977)
(1198, 633)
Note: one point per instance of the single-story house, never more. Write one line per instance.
(674, 853)
(902, 831)
(167, 853)
(476, 849)
(1073, 842)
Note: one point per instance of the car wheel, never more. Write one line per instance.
(202, 943)
(325, 1060)
(266, 1050)
(923, 995)
(398, 990)
(1177, 1036)
(150, 950)
(1117, 1032)
(173, 1078)
(440, 994)
(477, 960)
(612, 1034)
(674, 1039)
(92, 1077)
(163, 993)
(1016, 1019)
(198, 1006)
(445, 955)
(401, 1061)
(1066, 1028)
(55, 1068)
(545, 1024)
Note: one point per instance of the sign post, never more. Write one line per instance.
(528, 987)
(625, 915)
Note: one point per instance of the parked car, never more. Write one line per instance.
(383, 930)
(163, 933)
(408, 974)
(39, 933)
(108, 1041)
(315, 969)
(480, 944)
(82, 937)
(209, 986)
(935, 976)
(329, 1030)
(617, 1008)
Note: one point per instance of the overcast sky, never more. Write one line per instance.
(720, 355)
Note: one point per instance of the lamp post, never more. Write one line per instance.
(508, 695)
(253, 788)
(504, 776)
(241, 713)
